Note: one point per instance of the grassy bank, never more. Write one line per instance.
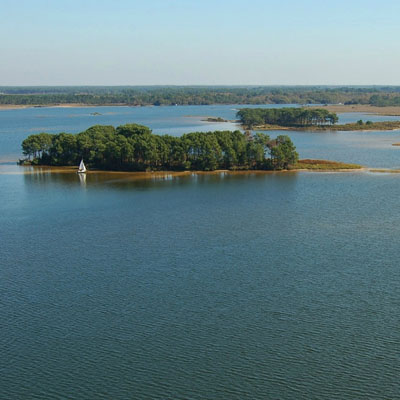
(301, 165)
(362, 108)
(371, 126)
(324, 165)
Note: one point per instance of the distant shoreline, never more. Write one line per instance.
(69, 105)
(337, 108)
(362, 108)
(351, 127)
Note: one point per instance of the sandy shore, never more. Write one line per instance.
(38, 170)
(12, 107)
(71, 105)
(388, 111)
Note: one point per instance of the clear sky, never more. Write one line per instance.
(187, 42)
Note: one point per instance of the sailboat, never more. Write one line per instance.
(82, 168)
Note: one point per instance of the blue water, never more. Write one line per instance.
(225, 286)
(345, 118)
(16, 125)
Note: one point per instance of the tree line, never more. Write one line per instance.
(292, 116)
(197, 95)
(385, 100)
(134, 147)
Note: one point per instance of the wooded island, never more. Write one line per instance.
(304, 119)
(134, 147)
(287, 116)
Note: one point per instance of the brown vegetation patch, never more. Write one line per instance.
(324, 165)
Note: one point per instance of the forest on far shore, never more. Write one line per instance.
(197, 95)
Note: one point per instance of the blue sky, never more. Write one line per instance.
(188, 42)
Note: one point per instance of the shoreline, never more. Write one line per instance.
(329, 166)
(175, 174)
(337, 108)
(393, 111)
(349, 127)
(69, 105)
(166, 175)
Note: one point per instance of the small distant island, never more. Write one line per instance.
(304, 119)
(215, 119)
(134, 147)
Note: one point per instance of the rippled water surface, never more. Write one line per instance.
(221, 286)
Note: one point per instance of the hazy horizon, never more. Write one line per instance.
(191, 43)
(207, 86)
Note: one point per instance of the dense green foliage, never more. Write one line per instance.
(171, 95)
(384, 100)
(286, 116)
(134, 147)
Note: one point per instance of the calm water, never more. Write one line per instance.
(16, 125)
(252, 286)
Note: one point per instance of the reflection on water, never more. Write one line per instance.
(82, 179)
(125, 180)
(247, 285)
(198, 285)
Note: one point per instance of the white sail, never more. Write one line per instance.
(82, 167)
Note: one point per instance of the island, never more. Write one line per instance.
(133, 147)
(214, 119)
(304, 118)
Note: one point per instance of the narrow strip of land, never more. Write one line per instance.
(305, 119)
(67, 105)
(361, 108)
(369, 126)
(301, 165)
(324, 165)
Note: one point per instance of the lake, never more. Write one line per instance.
(219, 286)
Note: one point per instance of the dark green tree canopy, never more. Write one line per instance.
(287, 116)
(134, 147)
(130, 130)
(182, 95)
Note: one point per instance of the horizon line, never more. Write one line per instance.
(204, 85)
